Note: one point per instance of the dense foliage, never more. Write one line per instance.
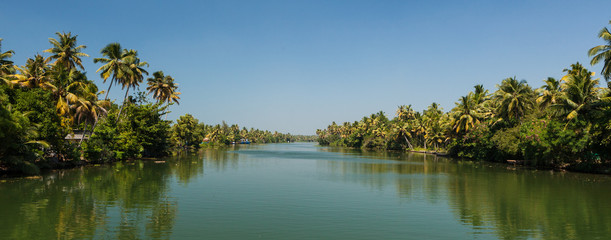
(564, 123)
(51, 115)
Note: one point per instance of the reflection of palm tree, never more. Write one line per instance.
(603, 53)
(65, 51)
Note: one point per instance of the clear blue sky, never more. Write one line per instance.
(295, 66)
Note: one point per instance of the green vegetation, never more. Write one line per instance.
(188, 133)
(51, 115)
(565, 123)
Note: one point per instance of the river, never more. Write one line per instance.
(304, 191)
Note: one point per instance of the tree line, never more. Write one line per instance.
(52, 115)
(564, 123)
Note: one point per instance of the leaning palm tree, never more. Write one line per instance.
(603, 53)
(515, 99)
(35, 74)
(6, 66)
(114, 66)
(402, 130)
(66, 52)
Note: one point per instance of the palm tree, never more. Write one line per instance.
(66, 52)
(515, 99)
(163, 88)
(549, 93)
(401, 129)
(35, 74)
(603, 53)
(134, 74)
(69, 87)
(405, 113)
(579, 93)
(114, 66)
(6, 66)
(465, 114)
(480, 95)
(89, 111)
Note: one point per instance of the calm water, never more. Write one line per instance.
(302, 191)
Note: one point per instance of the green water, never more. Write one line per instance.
(302, 191)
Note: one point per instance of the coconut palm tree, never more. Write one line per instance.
(405, 113)
(579, 93)
(134, 74)
(403, 130)
(35, 74)
(6, 66)
(69, 87)
(163, 88)
(515, 99)
(603, 53)
(549, 93)
(66, 52)
(114, 66)
(89, 111)
(465, 115)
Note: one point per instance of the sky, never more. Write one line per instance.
(297, 66)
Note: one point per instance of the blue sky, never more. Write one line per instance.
(295, 66)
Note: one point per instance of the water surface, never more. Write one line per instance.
(302, 191)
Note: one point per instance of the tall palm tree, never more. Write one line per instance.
(549, 93)
(35, 74)
(66, 52)
(114, 66)
(134, 74)
(515, 99)
(603, 53)
(6, 66)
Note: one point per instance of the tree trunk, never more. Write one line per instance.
(107, 91)
(83, 136)
(408, 143)
(123, 105)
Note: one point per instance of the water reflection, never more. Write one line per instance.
(132, 200)
(110, 201)
(513, 203)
